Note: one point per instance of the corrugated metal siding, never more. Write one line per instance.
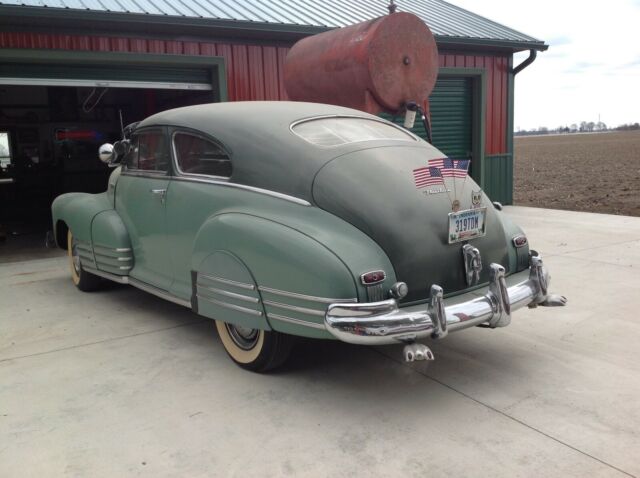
(443, 18)
(496, 95)
(254, 72)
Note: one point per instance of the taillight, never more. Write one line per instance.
(520, 240)
(373, 277)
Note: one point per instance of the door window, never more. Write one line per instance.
(197, 155)
(148, 152)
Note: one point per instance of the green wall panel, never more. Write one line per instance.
(499, 178)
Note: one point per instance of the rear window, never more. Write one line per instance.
(337, 131)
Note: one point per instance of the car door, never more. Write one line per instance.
(141, 202)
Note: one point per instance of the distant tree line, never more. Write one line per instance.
(583, 127)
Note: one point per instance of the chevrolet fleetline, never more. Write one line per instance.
(282, 219)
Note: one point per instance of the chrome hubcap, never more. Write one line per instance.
(243, 337)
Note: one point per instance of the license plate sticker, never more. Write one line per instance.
(467, 224)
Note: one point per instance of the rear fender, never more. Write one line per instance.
(292, 275)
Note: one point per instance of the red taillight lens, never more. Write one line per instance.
(520, 240)
(372, 277)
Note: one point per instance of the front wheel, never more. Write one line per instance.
(82, 279)
(254, 349)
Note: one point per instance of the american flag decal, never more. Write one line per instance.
(427, 176)
(437, 163)
(451, 168)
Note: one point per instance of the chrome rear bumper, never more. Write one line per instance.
(378, 323)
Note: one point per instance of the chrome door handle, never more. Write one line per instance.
(161, 192)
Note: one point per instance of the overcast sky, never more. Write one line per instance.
(592, 66)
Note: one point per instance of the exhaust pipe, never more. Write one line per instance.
(416, 352)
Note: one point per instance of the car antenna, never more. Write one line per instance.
(121, 123)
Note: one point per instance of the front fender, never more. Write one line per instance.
(294, 276)
(76, 211)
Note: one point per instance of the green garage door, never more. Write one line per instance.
(451, 104)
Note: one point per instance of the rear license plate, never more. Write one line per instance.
(467, 224)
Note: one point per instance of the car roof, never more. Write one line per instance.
(264, 151)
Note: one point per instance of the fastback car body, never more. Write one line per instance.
(282, 219)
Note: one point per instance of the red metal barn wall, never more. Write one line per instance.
(255, 72)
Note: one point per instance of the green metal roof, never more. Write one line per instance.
(449, 23)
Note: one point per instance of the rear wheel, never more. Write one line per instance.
(254, 349)
(82, 279)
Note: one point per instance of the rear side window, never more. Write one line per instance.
(148, 152)
(197, 155)
(338, 131)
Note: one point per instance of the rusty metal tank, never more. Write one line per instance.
(374, 66)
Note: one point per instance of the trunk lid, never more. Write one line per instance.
(374, 190)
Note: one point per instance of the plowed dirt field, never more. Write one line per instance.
(597, 172)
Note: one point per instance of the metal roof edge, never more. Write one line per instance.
(11, 15)
(489, 43)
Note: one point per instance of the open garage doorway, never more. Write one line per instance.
(53, 118)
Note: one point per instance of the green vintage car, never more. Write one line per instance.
(283, 219)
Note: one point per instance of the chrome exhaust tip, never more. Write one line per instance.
(417, 352)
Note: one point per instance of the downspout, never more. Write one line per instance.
(508, 197)
(531, 58)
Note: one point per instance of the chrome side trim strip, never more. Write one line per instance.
(140, 285)
(116, 258)
(291, 320)
(295, 308)
(242, 285)
(159, 293)
(311, 298)
(113, 249)
(233, 295)
(230, 306)
(107, 275)
(266, 192)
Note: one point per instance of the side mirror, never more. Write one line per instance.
(105, 153)
(120, 149)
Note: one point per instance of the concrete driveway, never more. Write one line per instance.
(119, 383)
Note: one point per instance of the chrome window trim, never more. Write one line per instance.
(378, 120)
(143, 173)
(291, 320)
(295, 308)
(311, 298)
(222, 280)
(230, 306)
(233, 295)
(266, 192)
(201, 136)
